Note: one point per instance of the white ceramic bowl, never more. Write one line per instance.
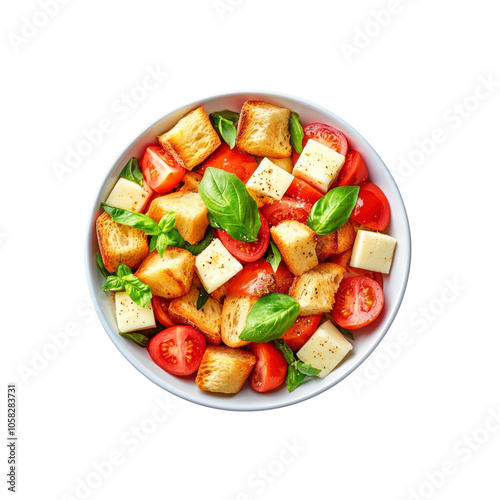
(366, 339)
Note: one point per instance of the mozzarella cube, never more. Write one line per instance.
(268, 183)
(326, 348)
(318, 165)
(131, 316)
(215, 266)
(373, 251)
(129, 196)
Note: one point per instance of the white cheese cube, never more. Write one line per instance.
(284, 163)
(269, 182)
(326, 348)
(373, 251)
(318, 165)
(215, 266)
(129, 196)
(131, 316)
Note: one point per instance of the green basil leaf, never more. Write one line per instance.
(229, 204)
(167, 222)
(270, 317)
(138, 291)
(114, 284)
(232, 116)
(123, 270)
(307, 369)
(333, 210)
(212, 222)
(132, 172)
(225, 128)
(293, 378)
(199, 247)
(285, 350)
(202, 299)
(152, 243)
(161, 243)
(296, 132)
(100, 265)
(137, 338)
(133, 219)
(345, 331)
(273, 256)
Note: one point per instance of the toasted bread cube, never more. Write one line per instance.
(120, 243)
(263, 130)
(215, 266)
(285, 163)
(297, 245)
(219, 294)
(193, 138)
(318, 165)
(129, 196)
(268, 183)
(325, 349)
(191, 218)
(224, 369)
(373, 251)
(234, 319)
(335, 243)
(191, 182)
(130, 316)
(207, 319)
(315, 290)
(169, 276)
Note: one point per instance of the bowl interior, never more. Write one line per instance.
(365, 340)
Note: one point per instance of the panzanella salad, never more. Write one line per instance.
(245, 246)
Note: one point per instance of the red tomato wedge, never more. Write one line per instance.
(300, 332)
(247, 251)
(271, 367)
(231, 160)
(178, 350)
(258, 279)
(325, 134)
(354, 171)
(285, 209)
(343, 259)
(301, 190)
(358, 302)
(161, 170)
(372, 208)
(160, 310)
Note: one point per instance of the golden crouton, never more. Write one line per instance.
(193, 138)
(315, 290)
(234, 319)
(191, 182)
(263, 130)
(224, 369)
(337, 242)
(169, 276)
(120, 243)
(297, 245)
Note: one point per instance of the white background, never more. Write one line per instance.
(387, 429)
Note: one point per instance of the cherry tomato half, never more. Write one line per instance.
(271, 367)
(343, 260)
(285, 209)
(247, 251)
(358, 302)
(161, 169)
(300, 332)
(301, 190)
(354, 171)
(258, 279)
(160, 310)
(231, 160)
(372, 208)
(325, 134)
(178, 350)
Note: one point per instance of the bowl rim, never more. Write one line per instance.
(217, 402)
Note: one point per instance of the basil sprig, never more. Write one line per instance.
(132, 172)
(296, 132)
(163, 233)
(231, 207)
(138, 291)
(297, 370)
(270, 317)
(223, 122)
(202, 299)
(137, 338)
(333, 210)
(273, 256)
